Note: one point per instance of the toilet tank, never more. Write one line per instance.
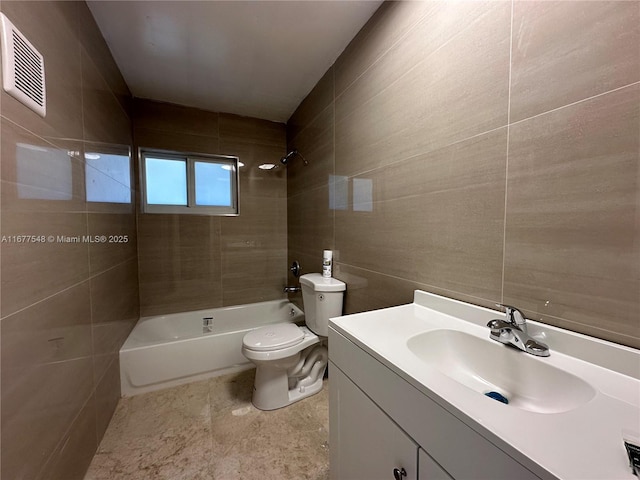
(322, 299)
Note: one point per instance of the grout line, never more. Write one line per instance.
(49, 297)
(408, 280)
(577, 102)
(506, 167)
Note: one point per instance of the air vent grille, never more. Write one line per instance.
(22, 68)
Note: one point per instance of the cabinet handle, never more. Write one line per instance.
(399, 473)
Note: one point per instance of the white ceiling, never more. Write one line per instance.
(253, 58)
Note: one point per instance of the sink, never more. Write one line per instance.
(484, 366)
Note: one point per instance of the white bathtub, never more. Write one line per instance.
(169, 350)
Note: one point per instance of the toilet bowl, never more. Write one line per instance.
(291, 360)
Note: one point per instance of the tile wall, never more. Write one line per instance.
(66, 306)
(486, 151)
(191, 262)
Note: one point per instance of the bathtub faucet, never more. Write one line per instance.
(207, 324)
(291, 289)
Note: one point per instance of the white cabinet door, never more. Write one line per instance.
(364, 444)
(428, 468)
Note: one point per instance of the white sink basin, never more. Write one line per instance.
(488, 366)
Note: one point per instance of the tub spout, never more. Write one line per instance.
(291, 289)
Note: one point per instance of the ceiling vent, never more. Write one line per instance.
(22, 68)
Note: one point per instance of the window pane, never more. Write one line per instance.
(213, 184)
(166, 181)
(108, 178)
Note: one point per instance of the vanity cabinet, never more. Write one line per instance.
(371, 445)
(379, 421)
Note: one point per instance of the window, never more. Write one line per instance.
(185, 183)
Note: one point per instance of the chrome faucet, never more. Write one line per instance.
(291, 289)
(513, 331)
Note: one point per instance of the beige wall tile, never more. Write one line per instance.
(33, 424)
(61, 50)
(114, 312)
(104, 118)
(177, 273)
(38, 175)
(179, 262)
(107, 396)
(73, 455)
(251, 130)
(34, 271)
(168, 117)
(315, 144)
(120, 244)
(48, 409)
(254, 181)
(53, 330)
(436, 219)
(391, 22)
(579, 48)
(428, 107)
(96, 48)
(180, 142)
(310, 224)
(318, 99)
(572, 231)
(420, 116)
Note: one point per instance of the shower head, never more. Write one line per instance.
(287, 158)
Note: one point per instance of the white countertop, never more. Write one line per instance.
(584, 443)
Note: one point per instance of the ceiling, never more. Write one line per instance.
(253, 58)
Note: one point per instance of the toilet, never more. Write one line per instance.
(291, 360)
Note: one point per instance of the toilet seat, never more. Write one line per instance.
(273, 337)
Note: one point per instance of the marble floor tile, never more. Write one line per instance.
(210, 430)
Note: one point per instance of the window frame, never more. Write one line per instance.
(190, 159)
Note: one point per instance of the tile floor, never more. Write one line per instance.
(210, 430)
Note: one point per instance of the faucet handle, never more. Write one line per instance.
(514, 315)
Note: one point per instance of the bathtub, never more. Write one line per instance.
(169, 350)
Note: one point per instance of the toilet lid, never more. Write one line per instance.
(273, 337)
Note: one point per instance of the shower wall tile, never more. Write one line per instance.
(318, 99)
(179, 262)
(426, 108)
(252, 130)
(120, 232)
(180, 142)
(255, 275)
(168, 117)
(203, 261)
(61, 50)
(580, 262)
(310, 225)
(315, 143)
(255, 182)
(596, 49)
